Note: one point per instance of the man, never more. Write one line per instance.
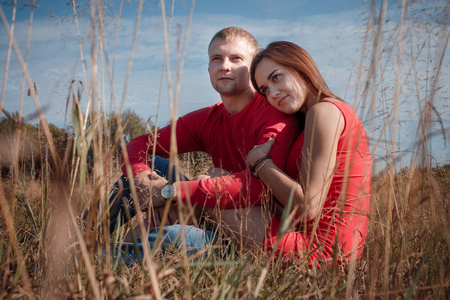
(227, 131)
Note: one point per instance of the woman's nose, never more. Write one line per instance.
(274, 93)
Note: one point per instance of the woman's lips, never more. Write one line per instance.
(281, 101)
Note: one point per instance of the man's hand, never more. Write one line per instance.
(212, 173)
(149, 183)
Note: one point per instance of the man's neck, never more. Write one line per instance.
(236, 103)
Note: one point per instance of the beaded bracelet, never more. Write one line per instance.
(260, 160)
(260, 167)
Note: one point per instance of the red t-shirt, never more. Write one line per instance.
(227, 139)
(344, 218)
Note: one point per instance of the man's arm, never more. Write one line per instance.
(241, 189)
(139, 148)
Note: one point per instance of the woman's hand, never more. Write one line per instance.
(259, 151)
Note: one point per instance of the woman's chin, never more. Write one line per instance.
(287, 110)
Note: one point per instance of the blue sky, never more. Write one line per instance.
(332, 31)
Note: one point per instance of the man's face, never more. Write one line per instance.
(229, 64)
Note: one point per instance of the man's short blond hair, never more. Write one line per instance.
(231, 33)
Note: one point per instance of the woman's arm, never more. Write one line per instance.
(324, 125)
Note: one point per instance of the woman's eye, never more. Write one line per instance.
(264, 91)
(275, 77)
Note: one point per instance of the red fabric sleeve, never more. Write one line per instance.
(140, 147)
(241, 189)
(226, 192)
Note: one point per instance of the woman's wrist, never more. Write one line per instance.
(261, 165)
(254, 165)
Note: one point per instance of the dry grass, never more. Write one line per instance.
(418, 254)
(45, 254)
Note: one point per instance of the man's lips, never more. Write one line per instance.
(225, 78)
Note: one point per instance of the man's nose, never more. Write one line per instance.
(226, 65)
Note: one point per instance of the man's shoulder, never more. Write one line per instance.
(263, 108)
(200, 121)
(218, 107)
(261, 102)
(202, 117)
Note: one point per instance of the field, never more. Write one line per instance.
(50, 175)
(406, 255)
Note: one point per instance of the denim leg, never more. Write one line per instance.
(196, 240)
(121, 205)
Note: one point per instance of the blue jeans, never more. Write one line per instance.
(122, 210)
(196, 240)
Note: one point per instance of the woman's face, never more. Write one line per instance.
(285, 90)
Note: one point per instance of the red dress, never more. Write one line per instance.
(344, 218)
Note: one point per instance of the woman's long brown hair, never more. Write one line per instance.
(297, 59)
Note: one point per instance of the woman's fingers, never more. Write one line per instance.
(267, 145)
(270, 142)
(259, 151)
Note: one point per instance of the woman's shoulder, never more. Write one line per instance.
(326, 108)
(340, 104)
(325, 115)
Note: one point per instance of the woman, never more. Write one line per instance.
(328, 169)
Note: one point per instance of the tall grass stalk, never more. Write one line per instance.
(45, 251)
